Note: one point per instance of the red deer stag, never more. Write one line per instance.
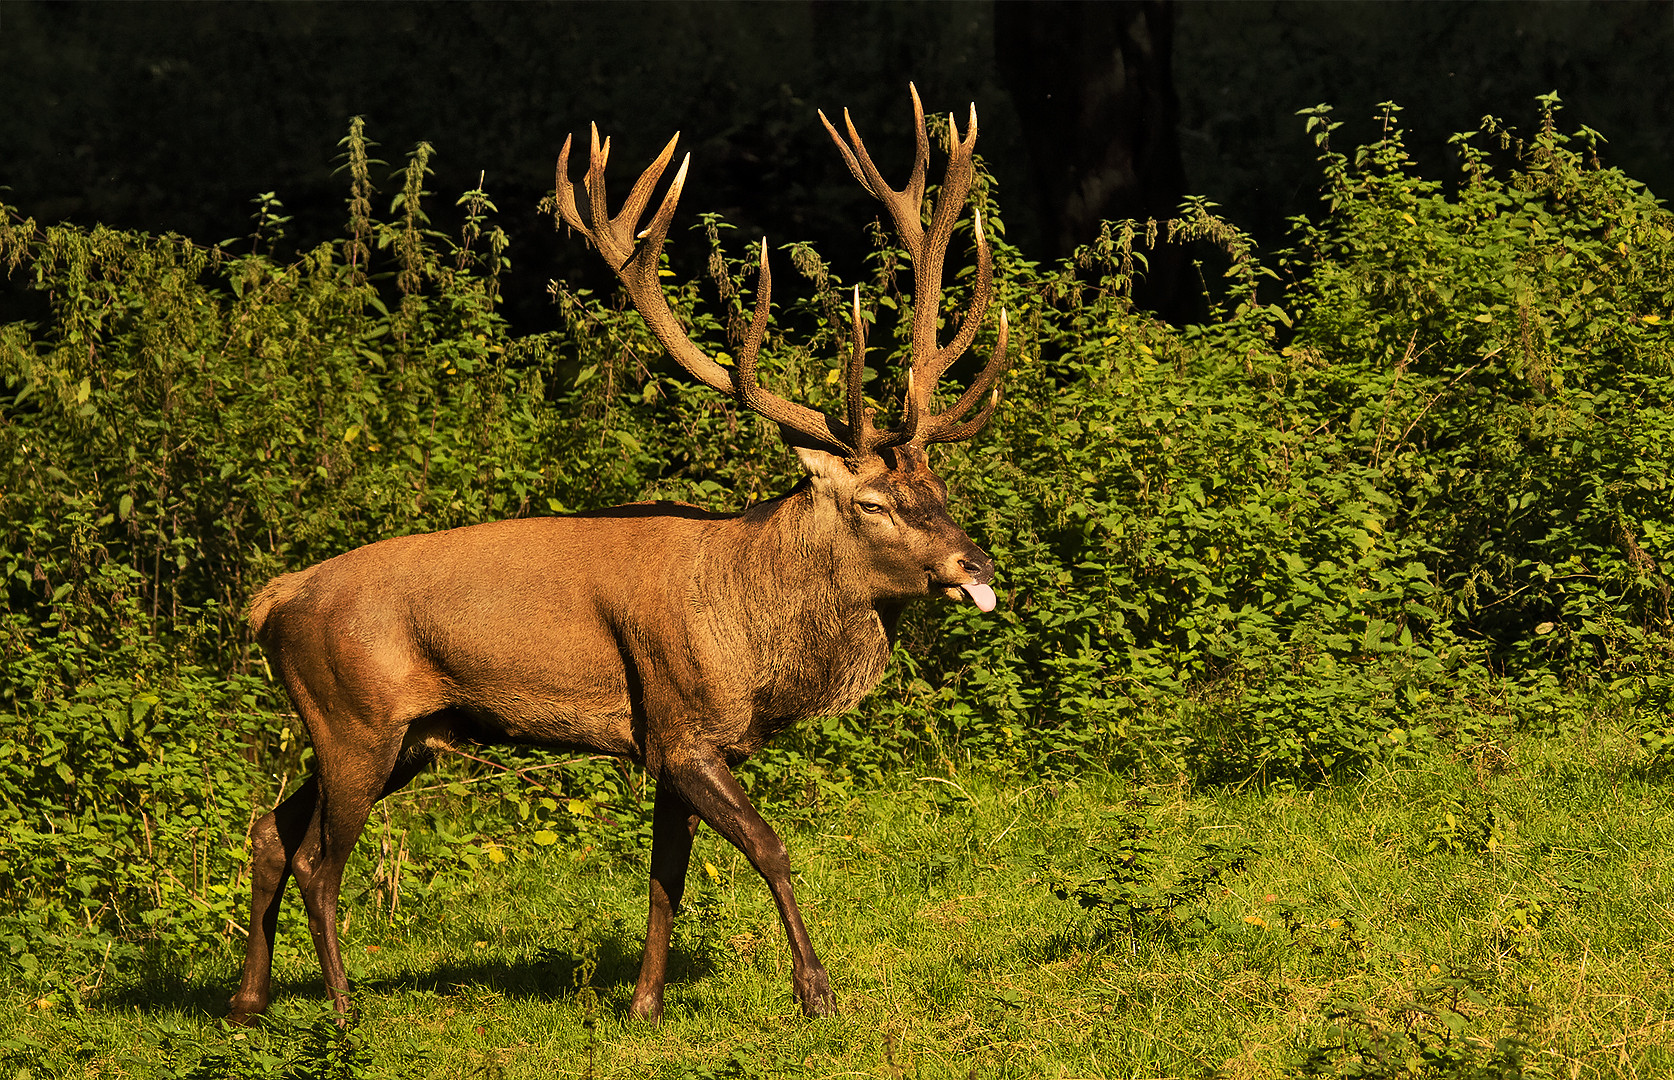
(674, 637)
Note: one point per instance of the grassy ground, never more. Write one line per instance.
(1506, 913)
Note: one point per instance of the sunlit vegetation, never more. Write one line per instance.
(1322, 728)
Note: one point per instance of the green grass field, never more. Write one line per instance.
(1509, 912)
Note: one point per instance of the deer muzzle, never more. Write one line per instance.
(975, 571)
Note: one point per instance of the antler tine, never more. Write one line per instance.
(653, 235)
(921, 158)
(565, 193)
(960, 432)
(748, 388)
(864, 437)
(597, 206)
(640, 193)
(843, 148)
(854, 379)
(943, 427)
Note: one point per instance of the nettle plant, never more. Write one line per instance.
(1406, 482)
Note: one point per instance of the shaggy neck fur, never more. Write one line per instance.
(818, 638)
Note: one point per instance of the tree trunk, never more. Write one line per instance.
(1093, 84)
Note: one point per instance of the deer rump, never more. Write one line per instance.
(675, 637)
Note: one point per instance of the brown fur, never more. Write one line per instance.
(665, 634)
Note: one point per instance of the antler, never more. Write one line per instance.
(636, 266)
(634, 254)
(930, 360)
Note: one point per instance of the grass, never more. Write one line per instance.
(1508, 912)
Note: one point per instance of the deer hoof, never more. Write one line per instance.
(648, 1010)
(813, 990)
(244, 1015)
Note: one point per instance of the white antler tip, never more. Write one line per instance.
(679, 182)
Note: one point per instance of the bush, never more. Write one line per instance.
(1405, 486)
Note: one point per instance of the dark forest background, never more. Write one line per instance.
(172, 117)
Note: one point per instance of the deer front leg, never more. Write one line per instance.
(705, 782)
(673, 824)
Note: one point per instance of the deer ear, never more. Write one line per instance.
(821, 464)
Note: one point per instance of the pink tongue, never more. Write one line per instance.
(981, 595)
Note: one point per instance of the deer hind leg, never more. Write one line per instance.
(673, 824)
(351, 779)
(705, 782)
(274, 841)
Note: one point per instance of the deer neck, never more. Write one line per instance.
(797, 566)
(800, 605)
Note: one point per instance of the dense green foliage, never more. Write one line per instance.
(1406, 487)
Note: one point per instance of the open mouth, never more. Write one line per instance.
(980, 595)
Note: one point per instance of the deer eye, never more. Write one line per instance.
(874, 507)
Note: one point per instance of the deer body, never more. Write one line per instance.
(499, 630)
(672, 636)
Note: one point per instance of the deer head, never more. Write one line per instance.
(887, 508)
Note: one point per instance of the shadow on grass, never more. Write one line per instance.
(550, 973)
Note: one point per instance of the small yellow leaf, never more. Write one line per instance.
(1485, 317)
(581, 808)
(1256, 920)
(714, 874)
(545, 838)
(496, 854)
(1410, 220)
(349, 436)
(1653, 319)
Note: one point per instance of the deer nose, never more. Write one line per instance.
(977, 564)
